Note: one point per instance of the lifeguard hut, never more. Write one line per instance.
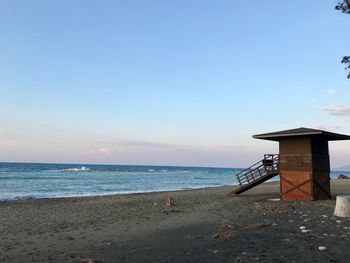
(302, 164)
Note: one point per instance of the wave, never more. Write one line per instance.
(85, 169)
(99, 193)
(202, 178)
(82, 169)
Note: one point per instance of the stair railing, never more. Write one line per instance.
(268, 165)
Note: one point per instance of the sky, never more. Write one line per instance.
(168, 82)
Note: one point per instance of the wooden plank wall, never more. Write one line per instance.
(304, 169)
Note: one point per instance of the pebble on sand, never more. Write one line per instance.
(322, 248)
(274, 199)
(305, 230)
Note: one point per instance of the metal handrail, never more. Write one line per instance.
(266, 166)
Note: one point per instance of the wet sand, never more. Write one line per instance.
(203, 226)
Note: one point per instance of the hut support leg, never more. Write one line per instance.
(321, 188)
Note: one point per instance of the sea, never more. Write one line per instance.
(41, 180)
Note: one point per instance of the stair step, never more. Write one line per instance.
(246, 187)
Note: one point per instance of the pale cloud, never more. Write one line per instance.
(143, 144)
(7, 136)
(326, 127)
(331, 92)
(340, 110)
(51, 126)
(99, 151)
(104, 150)
(137, 143)
(113, 148)
(313, 100)
(150, 145)
(88, 152)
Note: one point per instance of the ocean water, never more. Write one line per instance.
(29, 180)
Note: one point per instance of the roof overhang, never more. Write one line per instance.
(302, 132)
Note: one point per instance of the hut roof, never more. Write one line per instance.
(276, 136)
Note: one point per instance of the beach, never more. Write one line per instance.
(202, 226)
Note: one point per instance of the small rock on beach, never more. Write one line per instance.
(322, 248)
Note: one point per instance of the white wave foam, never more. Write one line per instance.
(82, 169)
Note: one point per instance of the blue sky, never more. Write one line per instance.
(168, 82)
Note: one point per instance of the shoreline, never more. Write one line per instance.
(204, 225)
(131, 193)
(275, 182)
(111, 195)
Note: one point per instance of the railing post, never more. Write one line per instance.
(239, 180)
(246, 175)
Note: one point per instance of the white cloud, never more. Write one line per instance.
(331, 92)
(340, 110)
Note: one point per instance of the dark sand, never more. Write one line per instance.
(203, 226)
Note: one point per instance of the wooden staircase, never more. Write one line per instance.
(257, 174)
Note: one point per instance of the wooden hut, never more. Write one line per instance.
(302, 163)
